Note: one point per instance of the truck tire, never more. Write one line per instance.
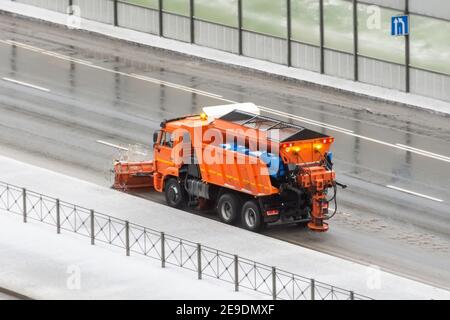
(228, 208)
(175, 195)
(251, 216)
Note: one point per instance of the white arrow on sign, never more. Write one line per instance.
(403, 26)
(395, 26)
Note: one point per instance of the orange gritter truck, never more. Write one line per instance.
(248, 167)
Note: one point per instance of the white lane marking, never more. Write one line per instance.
(396, 146)
(26, 84)
(131, 75)
(414, 193)
(175, 86)
(351, 133)
(218, 97)
(306, 120)
(112, 145)
(445, 158)
(45, 52)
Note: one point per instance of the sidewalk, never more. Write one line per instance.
(302, 261)
(359, 88)
(40, 264)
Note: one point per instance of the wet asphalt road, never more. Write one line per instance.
(78, 102)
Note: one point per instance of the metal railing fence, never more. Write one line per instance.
(168, 249)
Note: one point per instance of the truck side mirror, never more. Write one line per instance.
(155, 136)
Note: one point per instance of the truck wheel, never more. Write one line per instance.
(251, 216)
(175, 197)
(228, 208)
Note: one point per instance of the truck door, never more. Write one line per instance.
(163, 152)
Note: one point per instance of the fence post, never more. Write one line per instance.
(322, 54)
(352, 295)
(407, 52)
(240, 26)
(127, 238)
(116, 15)
(274, 283)
(313, 289)
(355, 41)
(163, 251)
(92, 228)
(160, 7)
(236, 273)
(199, 261)
(191, 17)
(71, 7)
(289, 32)
(58, 217)
(24, 204)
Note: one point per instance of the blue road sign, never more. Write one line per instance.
(400, 25)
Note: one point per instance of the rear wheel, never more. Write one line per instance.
(251, 216)
(175, 196)
(228, 208)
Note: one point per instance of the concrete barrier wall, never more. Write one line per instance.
(339, 64)
(430, 84)
(54, 5)
(216, 36)
(264, 47)
(305, 56)
(138, 18)
(97, 10)
(176, 27)
(380, 73)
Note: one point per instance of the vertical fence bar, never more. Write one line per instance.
(355, 40)
(240, 26)
(274, 283)
(160, 8)
(116, 15)
(313, 289)
(352, 295)
(322, 37)
(92, 228)
(199, 261)
(236, 273)
(163, 250)
(191, 16)
(289, 32)
(181, 252)
(70, 7)
(127, 238)
(24, 204)
(58, 217)
(407, 51)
